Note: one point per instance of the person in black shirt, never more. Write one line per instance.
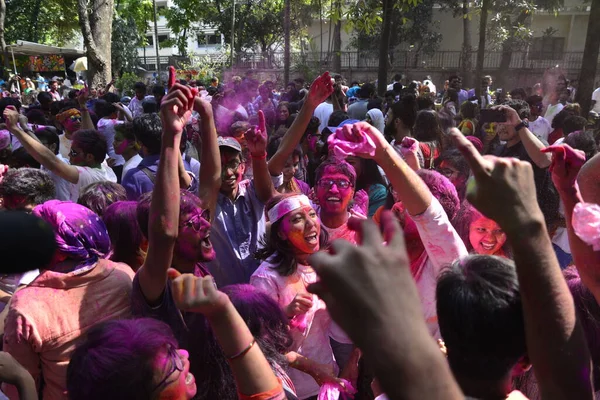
(522, 144)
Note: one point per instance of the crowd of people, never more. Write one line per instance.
(227, 241)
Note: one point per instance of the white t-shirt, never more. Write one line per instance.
(89, 175)
(131, 163)
(323, 112)
(106, 127)
(596, 98)
(552, 110)
(541, 128)
(64, 147)
(63, 187)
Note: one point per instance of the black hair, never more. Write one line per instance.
(397, 87)
(91, 142)
(111, 97)
(469, 110)
(584, 141)
(390, 93)
(366, 91)
(125, 235)
(397, 77)
(278, 251)
(478, 303)
(425, 103)
(148, 131)
(265, 319)
(49, 135)
(127, 130)
(427, 128)
(44, 98)
(73, 93)
(20, 158)
(36, 116)
(158, 90)
(458, 161)
(574, 123)
(376, 102)
(139, 86)
(103, 108)
(452, 95)
(559, 119)
(116, 360)
(99, 195)
(150, 106)
(9, 101)
(520, 106)
(518, 92)
(406, 110)
(35, 185)
(369, 175)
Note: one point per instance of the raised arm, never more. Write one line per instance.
(163, 227)
(210, 172)
(504, 191)
(412, 190)
(370, 293)
(566, 165)
(38, 151)
(532, 144)
(319, 91)
(250, 368)
(257, 144)
(82, 99)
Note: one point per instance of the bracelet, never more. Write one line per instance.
(243, 352)
(261, 157)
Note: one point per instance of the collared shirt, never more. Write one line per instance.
(236, 230)
(47, 318)
(136, 182)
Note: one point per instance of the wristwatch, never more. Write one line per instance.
(523, 124)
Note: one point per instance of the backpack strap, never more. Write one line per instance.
(151, 175)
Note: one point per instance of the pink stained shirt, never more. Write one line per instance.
(442, 247)
(47, 319)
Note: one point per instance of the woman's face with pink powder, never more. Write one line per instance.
(334, 191)
(486, 237)
(174, 366)
(302, 229)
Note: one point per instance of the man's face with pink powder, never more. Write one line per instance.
(334, 191)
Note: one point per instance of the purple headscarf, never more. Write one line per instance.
(79, 232)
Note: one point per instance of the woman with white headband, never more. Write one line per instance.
(284, 274)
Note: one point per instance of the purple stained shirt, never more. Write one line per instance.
(136, 182)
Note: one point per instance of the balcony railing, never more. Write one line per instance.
(404, 60)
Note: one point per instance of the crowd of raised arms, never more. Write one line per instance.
(237, 241)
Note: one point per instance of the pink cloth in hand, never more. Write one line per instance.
(586, 223)
(335, 391)
(408, 146)
(354, 145)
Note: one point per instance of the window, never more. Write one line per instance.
(547, 48)
(149, 41)
(209, 39)
(162, 38)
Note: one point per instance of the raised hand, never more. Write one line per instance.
(11, 117)
(199, 295)
(83, 96)
(172, 77)
(320, 90)
(566, 163)
(256, 137)
(364, 284)
(503, 189)
(357, 131)
(176, 109)
(512, 117)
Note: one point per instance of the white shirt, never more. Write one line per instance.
(89, 175)
(323, 112)
(106, 127)
(312, 339)
(541, 128)
(552, 110)
(596, 97)
(63, 187)
(64, 147)
(131, 163)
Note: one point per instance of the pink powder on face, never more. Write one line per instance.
(323, 194)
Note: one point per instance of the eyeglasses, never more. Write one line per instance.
(75, 118)
(447, 172)
(233, 165)
(73, 153)
(177, 364)
(195, 221)
(328, 183)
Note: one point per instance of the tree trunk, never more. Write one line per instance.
(2, 41)
(589, 62)
(156, 44)
(384, 47)
(95, 19)
(467, 48)
(485, 6)
(337, 39)
(286, 42)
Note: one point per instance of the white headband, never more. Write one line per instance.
(286, 206)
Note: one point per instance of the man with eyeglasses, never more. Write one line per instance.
(239, 221)
(334, 189)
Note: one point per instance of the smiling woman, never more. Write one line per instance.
(284, 275)
(481, 235)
